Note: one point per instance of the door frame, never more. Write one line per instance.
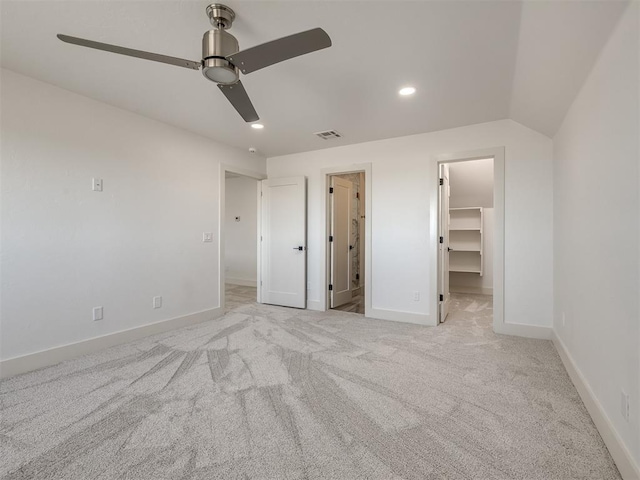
(222, 274)
(326, 201)
(498, 154)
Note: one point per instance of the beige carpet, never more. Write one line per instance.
(276, 393)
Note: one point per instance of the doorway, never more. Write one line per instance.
(347, 220)
(241, 245)
(239, 222)
(466, 240)
(469, 237)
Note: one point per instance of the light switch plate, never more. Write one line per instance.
(157, 302)
(97, 313)
(624, 405)
(96, 184)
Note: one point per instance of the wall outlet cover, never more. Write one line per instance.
(157, 302)
(207, 237)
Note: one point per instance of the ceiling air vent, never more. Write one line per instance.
(328, 134)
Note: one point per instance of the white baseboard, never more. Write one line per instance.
(46, 358)
(396, 316)
(628, 468)
(241, 281)
(528, 331)
(314, 305)
(472, 290)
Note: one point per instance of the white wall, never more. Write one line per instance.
(471, 183)
(241, 237)
(400, 221)
(66, 249)
(472, 186)
(596, 221)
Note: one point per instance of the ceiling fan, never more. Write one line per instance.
(221, 58)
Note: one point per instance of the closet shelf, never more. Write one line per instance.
(465, 240)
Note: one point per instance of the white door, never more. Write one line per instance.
(444, 296)
(340, 241)
(284, 242)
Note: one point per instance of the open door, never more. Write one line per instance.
(283, 277)
(444, 295)
(340, 237)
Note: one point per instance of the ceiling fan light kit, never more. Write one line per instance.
(217, 44)
(222, 60)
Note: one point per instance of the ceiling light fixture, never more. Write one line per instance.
(257, 126)
(407, 91)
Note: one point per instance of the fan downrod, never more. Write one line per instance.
(220, 16)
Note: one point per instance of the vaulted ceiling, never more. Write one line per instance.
(470, 61)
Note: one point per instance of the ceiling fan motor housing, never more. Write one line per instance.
(216, 45)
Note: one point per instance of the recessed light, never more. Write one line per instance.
(407, 91)
(257, 126)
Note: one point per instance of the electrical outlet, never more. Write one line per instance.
(97, 313)
(207, 237)
(624, 405)
(416, 296)
(157, 302)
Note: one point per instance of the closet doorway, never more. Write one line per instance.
(466, 241)
(346, 249)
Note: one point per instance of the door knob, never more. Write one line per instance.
(300, 248)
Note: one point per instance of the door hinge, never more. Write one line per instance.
(330, 189)
(442, 181)
(357, 194)
(441, 239)
(357, 276)
(330, 287)
(331, 238)
(441, 298)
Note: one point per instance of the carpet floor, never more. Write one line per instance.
(275, 393)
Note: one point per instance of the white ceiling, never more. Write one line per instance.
(471, 61)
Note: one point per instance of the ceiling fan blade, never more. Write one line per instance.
(238, 97)
(276, 51)
(180, 62)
